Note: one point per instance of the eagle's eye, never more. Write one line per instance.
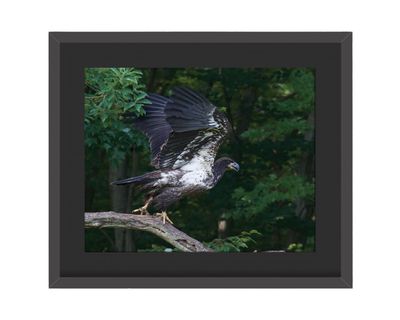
(234, 166)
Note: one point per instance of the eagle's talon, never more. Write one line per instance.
(141, 211)
(163, 215)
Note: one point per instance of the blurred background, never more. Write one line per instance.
(267, 206)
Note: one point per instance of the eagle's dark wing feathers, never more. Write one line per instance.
(174, 147)
(182, 127)
(189, 111)
(154, 125)
(198, 130)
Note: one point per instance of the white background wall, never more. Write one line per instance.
(24, 123)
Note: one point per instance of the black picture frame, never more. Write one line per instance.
(330, 53)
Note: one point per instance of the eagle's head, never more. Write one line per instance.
(226, 163)
(221, 165)
(233, 165)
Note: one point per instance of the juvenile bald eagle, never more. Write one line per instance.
(185, 132)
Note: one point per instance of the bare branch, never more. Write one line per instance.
(146, 223)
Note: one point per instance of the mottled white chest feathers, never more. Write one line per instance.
(198, 172)
(166, 178)
(195, 173)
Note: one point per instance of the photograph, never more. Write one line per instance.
(222, 157)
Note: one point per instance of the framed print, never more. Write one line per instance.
(200, 160)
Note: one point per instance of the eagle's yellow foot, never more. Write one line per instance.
(141, 211)
(164, 217)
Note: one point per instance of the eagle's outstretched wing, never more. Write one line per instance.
(182, 127)
(154, 125)
(198, 130)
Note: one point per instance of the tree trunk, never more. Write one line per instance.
(244, 113)
(130, 234)
(119, 200)
(245, 110)
(152, 80)
(306, 168)
(222, 228)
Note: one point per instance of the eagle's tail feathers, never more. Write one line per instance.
(139, 180)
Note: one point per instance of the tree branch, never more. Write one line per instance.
(146, 223)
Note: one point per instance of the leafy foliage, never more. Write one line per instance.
(241, 242)
(109, 93)
(271, 191)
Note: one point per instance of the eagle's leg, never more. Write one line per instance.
(143, 210)
(164, 217)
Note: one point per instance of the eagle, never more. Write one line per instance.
(185, 132)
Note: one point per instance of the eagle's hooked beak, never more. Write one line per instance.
(234, 166)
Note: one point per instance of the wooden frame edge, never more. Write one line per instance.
(54, 159)
(200, 282)
(344, 281)
(346, 159)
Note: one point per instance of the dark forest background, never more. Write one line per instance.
(268, 205)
